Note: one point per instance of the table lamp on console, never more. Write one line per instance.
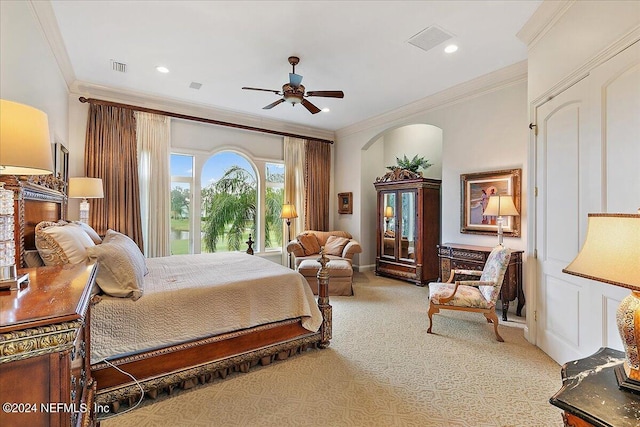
(500, 206)
(85, 188)
(25, 149)
(611, 254)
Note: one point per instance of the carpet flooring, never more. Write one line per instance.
(382, 369)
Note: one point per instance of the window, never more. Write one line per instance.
(274, 196)
(181, 197)
(229, 197)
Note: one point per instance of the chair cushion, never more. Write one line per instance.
(337, 268)
(335, 245)
(466, 296)
(309, 243)
(494, 270)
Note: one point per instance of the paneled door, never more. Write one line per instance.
(587, 153)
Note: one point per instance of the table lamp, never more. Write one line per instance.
(500, 206)
(288, 212)
(85, 188)
(388, 214)
(611, 254)
(25, 149)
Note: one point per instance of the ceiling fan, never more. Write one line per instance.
(293, 91)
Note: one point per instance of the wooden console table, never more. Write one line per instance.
(45, 349)
(590, 396)
(468, 257)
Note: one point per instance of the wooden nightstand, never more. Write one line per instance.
(45, 371)
(590, 396)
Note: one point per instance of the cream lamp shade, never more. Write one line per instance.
(611, 251)
(611, 254)
(501, 206)
(25, 146)
(388, 212)
(288, 211)
(85, 188)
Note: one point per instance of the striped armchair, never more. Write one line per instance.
(472, 295)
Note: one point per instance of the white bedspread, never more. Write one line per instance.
(193, 296)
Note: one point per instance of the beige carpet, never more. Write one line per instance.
(382, 369)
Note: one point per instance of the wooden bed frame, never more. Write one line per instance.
(183, 365)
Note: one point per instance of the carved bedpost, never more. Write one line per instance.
(249, 244)
(323, 300)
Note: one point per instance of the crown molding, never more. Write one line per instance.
(479, 86)
(90, 90)
(49, 25)
(543, 19)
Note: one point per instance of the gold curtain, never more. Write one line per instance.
(111, 154)
(317, 173)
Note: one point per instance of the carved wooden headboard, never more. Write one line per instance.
(37, 198)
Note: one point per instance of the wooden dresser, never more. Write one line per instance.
(45, 371)
(468, 257)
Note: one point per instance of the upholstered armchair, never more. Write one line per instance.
(337, 245)
(472, 295)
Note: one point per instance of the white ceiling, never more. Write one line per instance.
(359, 47)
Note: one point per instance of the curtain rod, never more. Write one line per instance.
(198, 119)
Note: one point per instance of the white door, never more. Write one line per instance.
(587, 157)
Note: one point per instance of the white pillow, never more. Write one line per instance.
(62, 243)
(121, 266)
(90, 231)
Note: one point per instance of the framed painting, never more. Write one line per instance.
(345, 203)
(476, 188)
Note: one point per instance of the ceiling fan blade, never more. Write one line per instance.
(309, 106)
(273, 104)
(327, 93)
(277, 92)
(295, 79)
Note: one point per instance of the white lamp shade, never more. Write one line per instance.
(288, 211)
(501, 206)
(85, 188)
(611, 251)
(25, 146)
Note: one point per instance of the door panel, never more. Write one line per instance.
(560, 131)
(587, 156)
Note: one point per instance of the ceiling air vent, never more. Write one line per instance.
(195, 85)
(430, 37)
(118, 66)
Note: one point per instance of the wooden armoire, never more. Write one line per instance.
(408, 226)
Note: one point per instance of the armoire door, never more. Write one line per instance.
(587, 136)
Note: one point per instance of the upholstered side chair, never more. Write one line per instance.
(472, 295)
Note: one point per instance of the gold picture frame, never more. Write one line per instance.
(475, 190)
(345, 203)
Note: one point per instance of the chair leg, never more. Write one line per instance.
(491, 316)
(432, 310)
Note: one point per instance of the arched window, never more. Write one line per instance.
(229, 207)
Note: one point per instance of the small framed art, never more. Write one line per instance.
(345, 203)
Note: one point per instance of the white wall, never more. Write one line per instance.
(29, 73)
(483, 132)
(421, 140)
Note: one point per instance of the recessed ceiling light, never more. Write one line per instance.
(451, 48)
(162, 69)
(325, 110)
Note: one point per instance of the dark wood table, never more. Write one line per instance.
(590, 395)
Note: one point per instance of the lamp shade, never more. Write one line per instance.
(85, 188)
(288, 211)
(611, 251)
(501, 206)
(388, 212)
(25, 146)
